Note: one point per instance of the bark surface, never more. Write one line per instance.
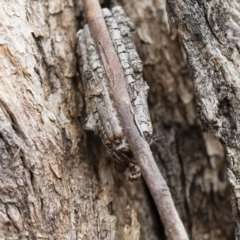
(210, 33)
(58, 181)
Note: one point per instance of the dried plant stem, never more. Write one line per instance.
(139, 146)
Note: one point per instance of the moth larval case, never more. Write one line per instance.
(126, 27)
(102, 115)
(120, 28)
(104, 103)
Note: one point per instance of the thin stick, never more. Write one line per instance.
(139, 146)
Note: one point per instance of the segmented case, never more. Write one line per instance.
(102, 115)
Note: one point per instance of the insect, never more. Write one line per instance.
(102, 117)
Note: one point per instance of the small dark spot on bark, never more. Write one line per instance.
(110, 208)
(221, 175)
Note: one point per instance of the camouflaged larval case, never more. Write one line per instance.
(102, 115)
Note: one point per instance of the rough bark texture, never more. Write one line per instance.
(210, 33)
(57, 181)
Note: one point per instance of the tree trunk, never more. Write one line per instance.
(210, 33)
(57, 181)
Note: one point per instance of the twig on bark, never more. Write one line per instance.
(139, 146)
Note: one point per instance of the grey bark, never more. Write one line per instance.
(210, 33)
(56, 180)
